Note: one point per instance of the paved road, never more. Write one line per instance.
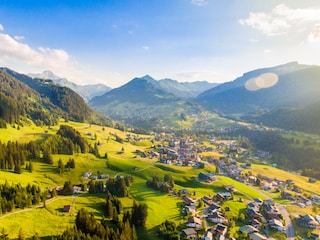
(288, 227)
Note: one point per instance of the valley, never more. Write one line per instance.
(160, 166)
(130, 162)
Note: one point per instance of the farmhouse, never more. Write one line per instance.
(189, 233)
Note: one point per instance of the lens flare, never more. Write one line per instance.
(265, 80)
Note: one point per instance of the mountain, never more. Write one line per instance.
(86, 91)
(185, 90)
(142, 98)
(285, 86)
(41, 100)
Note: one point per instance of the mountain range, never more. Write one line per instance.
(87, 92)
(284, 96)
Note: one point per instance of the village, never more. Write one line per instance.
(211, 220)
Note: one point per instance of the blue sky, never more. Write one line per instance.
(113, 41)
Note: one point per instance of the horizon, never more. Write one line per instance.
(185, 40)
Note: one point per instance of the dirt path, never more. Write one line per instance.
(51, 200)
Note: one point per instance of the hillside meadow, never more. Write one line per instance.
(51, 220)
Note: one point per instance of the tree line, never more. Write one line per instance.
(164, 185)
(16, 196)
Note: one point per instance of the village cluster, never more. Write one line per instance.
(185, 152)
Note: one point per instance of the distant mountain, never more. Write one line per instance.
(297, 86)
(142, 98)
(41, 100)
(185, 89)
(86, 91)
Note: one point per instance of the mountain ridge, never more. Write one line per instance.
(87, 91)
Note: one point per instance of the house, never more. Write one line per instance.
(220, 229)
(254, 206)
(189, 233)
(67, 208)
(315, 199)
(214, 207)
(276, 224)
(189, 209)
(76, 189)
(194, 222)
(255, 223)
(229, 188)
(189, 201)
(216, 217)
(207, 236)
(252, 213)
(258, 201)
(207, 200)
(223, 196)
(257, 236)
(248, 229)
(307, 221)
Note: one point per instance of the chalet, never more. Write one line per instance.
(189, 201)
(257, 236)
(276, 224)
(207, 200)
(76, 189)
(268, 202)
(307, 221)
(189, 233)
(312, 180)
(252, 213)
(315, 199)
(214, 207)
(86, 174)
(207, 236)
(258, 201)
(254, 206)
(189, 209)
(223, 196)
(67, 208)
(287, 196)
(229, 188)
(248, 229)
(216, 217)
(183, 192)
(255, 223)
(252, 179)
(220, 229)
(306, 201)
(194, 222)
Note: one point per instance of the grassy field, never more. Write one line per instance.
(300, 181)
(52, 220)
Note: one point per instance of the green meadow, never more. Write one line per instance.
(51, 220)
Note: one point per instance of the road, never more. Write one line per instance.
(288, 227)
(286, 217)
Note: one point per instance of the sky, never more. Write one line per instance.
(114, 41)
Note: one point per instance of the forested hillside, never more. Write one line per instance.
(42, 101)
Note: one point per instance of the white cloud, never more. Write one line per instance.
(1, 27)
(282, 19)
(199, 2)
(146, 48)
(57, 60)
(18, 38)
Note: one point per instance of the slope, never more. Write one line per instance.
(295, 85)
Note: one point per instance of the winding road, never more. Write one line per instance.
(286, 216)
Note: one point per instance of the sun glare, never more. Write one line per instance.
(265, 80)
